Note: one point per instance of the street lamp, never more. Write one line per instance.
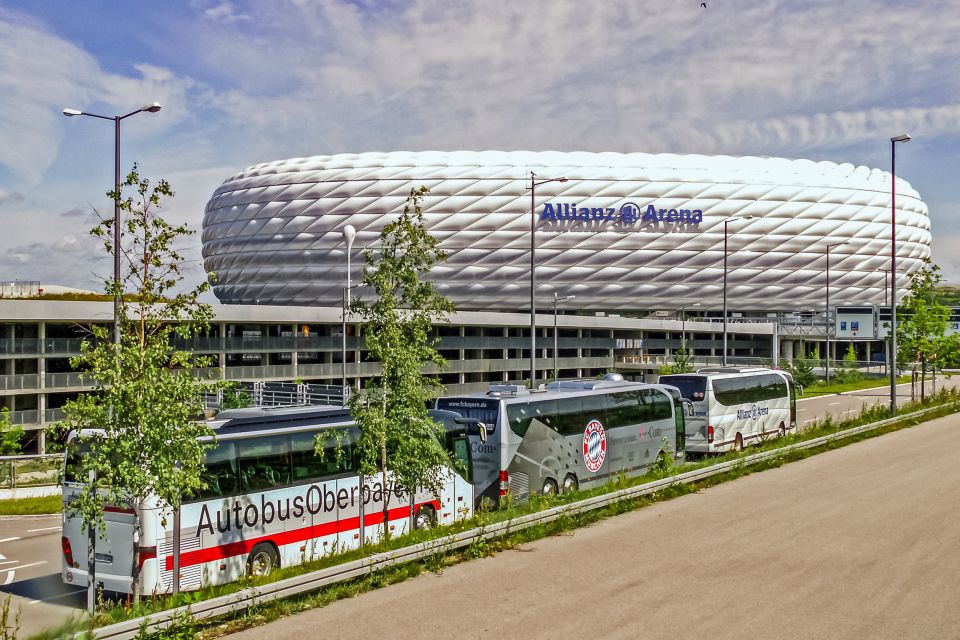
(725, 233)
(349, 233)
(829, 324)
(903, 137)
(556, 300)
(153, 107)
(534, 183)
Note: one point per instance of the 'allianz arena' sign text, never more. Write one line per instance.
(628, 214)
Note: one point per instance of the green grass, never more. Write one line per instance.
(821, 388)
(948, 400)
(30, 506)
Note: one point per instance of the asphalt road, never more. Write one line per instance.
(30, 545)
(859, 542)
(30, 571)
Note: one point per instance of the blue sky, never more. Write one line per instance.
(249, 82)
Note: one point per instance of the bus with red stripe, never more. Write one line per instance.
(270, 501)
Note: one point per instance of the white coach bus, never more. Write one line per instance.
(269, 502)
(569, 434)
(734, 407)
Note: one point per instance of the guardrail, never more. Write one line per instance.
(251, 596)
(30, 471)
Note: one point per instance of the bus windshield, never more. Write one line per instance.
(691, 387)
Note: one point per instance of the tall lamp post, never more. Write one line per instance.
(153, 107)
(556, 301)
(534, 183)
(829, 324)
(726, 224)
(349, 233)
(903, 137)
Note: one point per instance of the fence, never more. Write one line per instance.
(279, 394)
(30, 471)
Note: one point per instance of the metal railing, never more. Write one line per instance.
(280, 394)
(30, 471)
(308, 582)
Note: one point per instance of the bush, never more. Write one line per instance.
(802, 369)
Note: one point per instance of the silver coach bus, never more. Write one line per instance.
(569, 434)
(735, 407)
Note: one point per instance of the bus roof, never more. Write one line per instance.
(519, 393)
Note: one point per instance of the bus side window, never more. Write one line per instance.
(264, 462)
(519, 416)
(220, 472)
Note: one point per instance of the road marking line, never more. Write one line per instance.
(2, 557)
(58, 596)
(9, 577)
(44, 529)
(10, 562)
(34, 601)
(24, 566)
(829, 404)
(10, 539)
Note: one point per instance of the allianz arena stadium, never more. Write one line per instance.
(625, 232)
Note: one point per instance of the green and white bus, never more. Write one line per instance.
(734, 407)
(569, 434)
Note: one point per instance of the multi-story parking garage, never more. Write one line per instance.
(623, 232)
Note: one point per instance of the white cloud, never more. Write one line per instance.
(225, 12)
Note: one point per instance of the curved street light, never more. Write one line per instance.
(153, 107)
(903, 137)
(534, 183)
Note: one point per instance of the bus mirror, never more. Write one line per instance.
(688, 405)
(799, 388)
(483, 432)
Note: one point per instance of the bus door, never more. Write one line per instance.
(485, 454)
(793, 390)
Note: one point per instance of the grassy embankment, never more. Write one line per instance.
(30, 506)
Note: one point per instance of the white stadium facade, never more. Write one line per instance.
(624, 232)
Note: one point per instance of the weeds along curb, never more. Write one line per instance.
(252, 597)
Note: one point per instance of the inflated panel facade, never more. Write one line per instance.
(623, 232)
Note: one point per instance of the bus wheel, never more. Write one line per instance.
(425, 518)
(738, 443)
(549, 488)
(782, 431)
(262, 560)
(570, 484)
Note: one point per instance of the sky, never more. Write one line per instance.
(245, 82)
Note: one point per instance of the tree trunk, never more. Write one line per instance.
(923, 378)
(176, 550)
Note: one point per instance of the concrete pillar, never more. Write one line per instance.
(293, 352)
(41, 379)
(223, 351)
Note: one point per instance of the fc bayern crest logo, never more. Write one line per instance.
(594, 445)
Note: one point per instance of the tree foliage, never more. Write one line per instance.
(922, 321)
(802, 368)
(395, 429)
(145, 405)
(682, 361)
(11, 435)
(847, 370)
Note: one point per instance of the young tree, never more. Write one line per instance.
(848, 371)
(922, 322)
(802, 369)
(11, 435)
(682, 361)
(145, 404)
(395, 430)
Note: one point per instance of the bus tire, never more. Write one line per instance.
(737, 443)
(549, 487)
(425, 518)
(782, 431)
(570, 483)
(263, 559)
